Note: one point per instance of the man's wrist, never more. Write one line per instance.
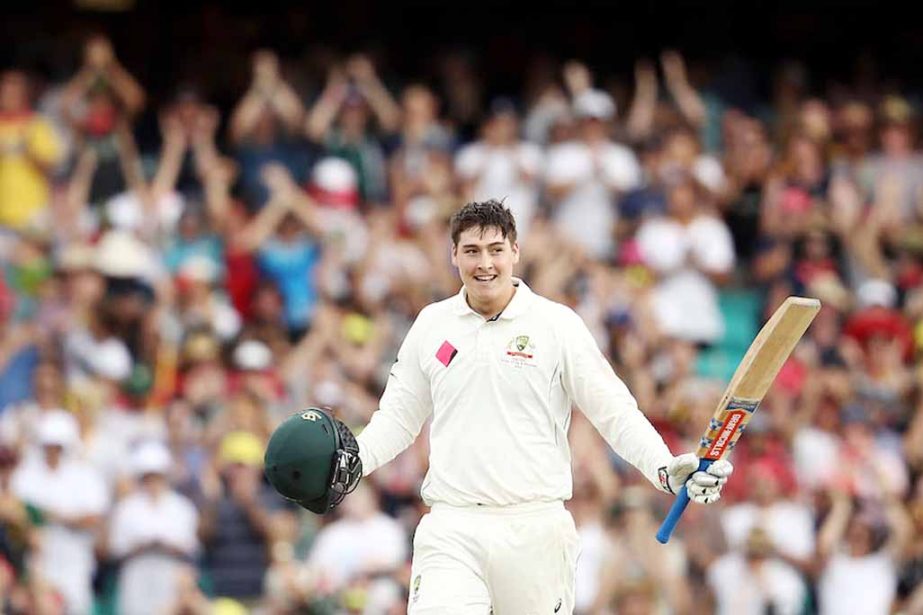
(663, 477)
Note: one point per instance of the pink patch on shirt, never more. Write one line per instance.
(446, 353)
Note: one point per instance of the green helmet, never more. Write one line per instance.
(313, 459)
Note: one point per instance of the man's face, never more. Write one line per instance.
(501, 129)
(53, 453)
(593, 129)
(896, 138)
(485, 262)
(14, 94)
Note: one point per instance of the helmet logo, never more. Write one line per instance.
(310, 415)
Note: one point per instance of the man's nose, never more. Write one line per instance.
(485, 262)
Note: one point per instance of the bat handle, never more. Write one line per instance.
(676, 511)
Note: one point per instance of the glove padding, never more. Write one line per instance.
(703, 487)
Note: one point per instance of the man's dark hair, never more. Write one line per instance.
(484, 214)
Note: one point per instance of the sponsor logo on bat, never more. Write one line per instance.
(728, 429)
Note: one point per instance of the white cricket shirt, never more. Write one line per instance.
(500, 392)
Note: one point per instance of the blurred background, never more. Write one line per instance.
(213, 216)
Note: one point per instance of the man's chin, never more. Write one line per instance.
(479, 294)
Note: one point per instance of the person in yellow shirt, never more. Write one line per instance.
(29, 150)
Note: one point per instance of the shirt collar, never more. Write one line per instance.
(520, 302)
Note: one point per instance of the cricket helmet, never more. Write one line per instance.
(313, 459)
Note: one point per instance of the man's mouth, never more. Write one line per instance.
(485, 278)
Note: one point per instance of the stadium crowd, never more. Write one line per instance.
(163, 307)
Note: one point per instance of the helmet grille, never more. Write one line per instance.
(347, 468)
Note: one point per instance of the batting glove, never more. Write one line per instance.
(703, 487)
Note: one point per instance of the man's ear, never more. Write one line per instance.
(515, 248)
(455, 255)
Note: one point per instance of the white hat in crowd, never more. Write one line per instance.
(120, 254)
(877, 292)
(150, 458)
(58, 428)
(252, 355)
(334, 183)
(110, 360)
(594, 104)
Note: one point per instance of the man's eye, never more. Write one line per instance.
(471, 251)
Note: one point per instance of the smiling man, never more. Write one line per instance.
(498, 368)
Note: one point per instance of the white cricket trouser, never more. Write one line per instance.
(516, 560)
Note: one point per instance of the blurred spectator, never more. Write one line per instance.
(100, 102)
(194, 240)
(584, 177)
(787, 526)
(499, 165)
(152, 531)
(188, 128)
(854, 124)
(587, 506)
(462, 81)
(690, 250)
(29, 151)
(334, 188)
(859, 552)
(362, 543)
(637, 560)
(877, 320)
(865, 453)
(549, 119)
(200, 304)
(19, 422)
(263, 127)
(95, 351)
(66, 500)
(420, 170)
(761, 583)
(236, 518)
(893, 177)
(284, 236)
(340, 120)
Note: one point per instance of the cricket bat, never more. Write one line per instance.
(743, 395)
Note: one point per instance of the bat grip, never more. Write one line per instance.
(676, 511)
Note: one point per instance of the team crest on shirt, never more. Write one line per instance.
(519, 351)
(416, 588)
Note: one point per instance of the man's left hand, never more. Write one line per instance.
(703, 486)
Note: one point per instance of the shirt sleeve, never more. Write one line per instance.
(121, 537)
(601, 395)
(184, 533)
(43, 143)
(713, 244)
(405, 405)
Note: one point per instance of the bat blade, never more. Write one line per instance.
(752, 379)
